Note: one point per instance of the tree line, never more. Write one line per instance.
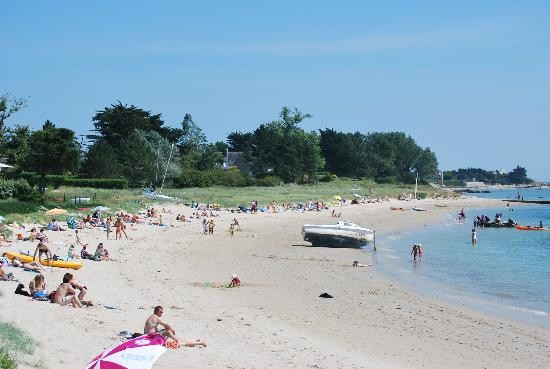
(516, 176)
(135, 144)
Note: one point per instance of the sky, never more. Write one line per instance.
(468, 79)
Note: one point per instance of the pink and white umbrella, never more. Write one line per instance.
(137, 353)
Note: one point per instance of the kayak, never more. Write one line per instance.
(53, 263)
(530, 228)
(396, 208)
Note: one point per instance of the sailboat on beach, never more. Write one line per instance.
(417, 208)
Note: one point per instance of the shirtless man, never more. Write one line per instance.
(42, 248)
(152, 323)
(78, 286)
(66, 294)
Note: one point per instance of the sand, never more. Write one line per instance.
(276, 318)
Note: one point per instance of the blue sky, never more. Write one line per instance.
(471, 80)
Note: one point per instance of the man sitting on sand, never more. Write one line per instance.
(78, 286)
(66, 294)
(152, 323)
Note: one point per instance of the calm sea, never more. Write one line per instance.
(507, 273)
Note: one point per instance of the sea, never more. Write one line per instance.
(507, 273)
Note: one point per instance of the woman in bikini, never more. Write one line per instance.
(37, 284)
(33, 265)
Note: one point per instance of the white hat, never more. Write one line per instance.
(233, 275)
(419, 244)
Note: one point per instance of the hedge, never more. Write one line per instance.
(56, 181)
(96, 183)
(20, 190)
(212, 177)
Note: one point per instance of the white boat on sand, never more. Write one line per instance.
(342, 234)
(153, 195)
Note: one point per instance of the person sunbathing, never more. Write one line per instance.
(152, 327)
(66, 294)
(101, 254)
(72, 253)
(37, 286)
(80, 287)
(33, 265)
(3, 275)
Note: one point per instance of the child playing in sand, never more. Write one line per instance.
(235, 281)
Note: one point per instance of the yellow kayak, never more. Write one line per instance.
(53, 263)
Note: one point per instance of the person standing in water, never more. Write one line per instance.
(474, 236)
(419, 250)
(414, 251)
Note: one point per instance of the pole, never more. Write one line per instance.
(167, 165)
(157, 172)
(415, 186)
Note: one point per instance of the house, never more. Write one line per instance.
(235, 159)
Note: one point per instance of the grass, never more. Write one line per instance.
(13, 342)
(131, 200)
(15, 339)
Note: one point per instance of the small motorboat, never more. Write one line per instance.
(417, 208)
(342, 234)
(153, 195)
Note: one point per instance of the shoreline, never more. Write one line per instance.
(445, 291)
(275, 319)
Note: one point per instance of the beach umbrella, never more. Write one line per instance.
(56, 211)
(339, 198)
(100, 209)
(138, 353)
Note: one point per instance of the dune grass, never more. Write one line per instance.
(131, 200)
(13, 343)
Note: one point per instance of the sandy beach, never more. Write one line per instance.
(276, 319)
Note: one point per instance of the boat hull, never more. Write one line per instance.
(529, 228)
(340, 235)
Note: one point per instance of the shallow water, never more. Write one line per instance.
(506, 273)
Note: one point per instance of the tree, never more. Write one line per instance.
(101, 161)
(119, 121)
(17, 145)
(55, 151)
(137, 159)
(426, 164)
(238, 141)
(518, 176)
(192, 137)
(344, 153)
(8, 106)
(284, 149)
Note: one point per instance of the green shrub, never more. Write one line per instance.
(269, 181)
(421, 195)
(114, 183)
(7, 188)
(191, 178)
(57, 181)
(6, 361)
(24, 192)
(325, 177)
(389, 179)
